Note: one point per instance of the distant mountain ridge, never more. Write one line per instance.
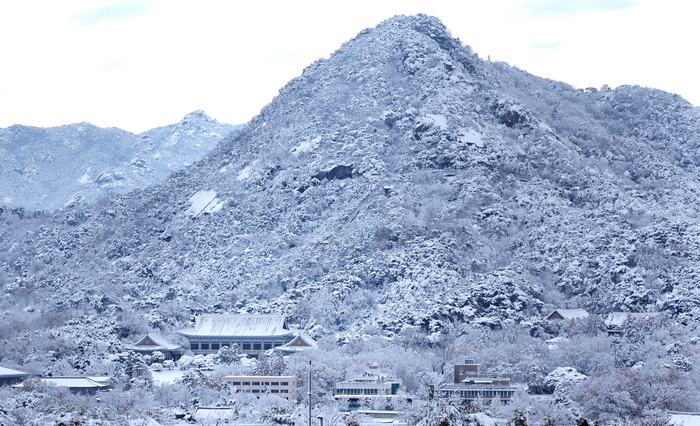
(54, 168)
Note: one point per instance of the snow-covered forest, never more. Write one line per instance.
(404, 202)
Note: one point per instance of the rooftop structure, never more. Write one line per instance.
(282, 386)
(9, 376)
(615, 322)
(78, 385)
(564, 314)
(471, 383)
(253, 333)
(300, 343)
(152, 342)
(372, 383)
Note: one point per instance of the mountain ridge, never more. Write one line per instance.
(402, 182)
(52, 168)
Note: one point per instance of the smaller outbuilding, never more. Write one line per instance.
(567, 314)
(9, 376)
(153, 342)
(616, 321)
(215, 415)
(300, 343)
(77, 385)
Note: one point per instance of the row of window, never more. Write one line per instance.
(359, 391)
(482, 393)
(258, 383)
(196, 346)
(271, 390)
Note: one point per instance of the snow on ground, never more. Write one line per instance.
(306, 145)
(86, 177)
(439, 120)
(168, 376)
(685, 419)
(143, 422)
(471, 137)
(204, 202)
(244, 174)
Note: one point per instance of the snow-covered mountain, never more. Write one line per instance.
(53, 168)
(403, 181)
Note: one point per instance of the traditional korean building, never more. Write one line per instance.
(616, 321)
(253, 333)
(471, 383)
(567, 314)
(77, 385)
(9, 376)
(152, 342)
(300, 342)
(215, 416)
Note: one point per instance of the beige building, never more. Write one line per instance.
(282, 386)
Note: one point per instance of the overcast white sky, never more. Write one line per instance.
(140, 64)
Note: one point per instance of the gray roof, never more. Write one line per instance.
(70, 382)
(299, 343)
(617, 319)
(8, 372)
(571, 313)
(160, 344)
(238, 325)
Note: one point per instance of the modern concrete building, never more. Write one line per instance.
(471, 383)
(372, 383)
(282, 386)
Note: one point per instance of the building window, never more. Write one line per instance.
(275, 383)
(256, 390)
(284, 391)
(285, 383)
(246, 346)
(275, 391)
(205, 346)
(268, 346)
(246, 383)
(256, 383)
(236, 383)
(278, 344)
(256, 346)
(194, 346)
(214, 346)
(266, 383)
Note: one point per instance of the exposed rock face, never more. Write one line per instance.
(49, 169)
(509, 194)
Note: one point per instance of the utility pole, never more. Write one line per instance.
(309, 392)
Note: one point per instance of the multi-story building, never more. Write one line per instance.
(253, 333)
(282, 386)
(372, 383)
(470, 383)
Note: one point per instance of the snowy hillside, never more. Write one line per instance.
(404, 202)
(53, 168)
(402, 182)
